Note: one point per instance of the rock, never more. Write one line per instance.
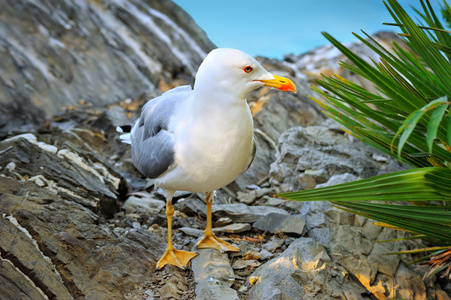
(247, 197)
(169, 291)
(250, 196)
(15, 284)
(351, 238)
(385, 264)
(192, 206)
(99, 52)
(213, 275)
(275, 201)
(379, 158)
(265, 254)
(111, 118)
(273, 244)
(314, 213)
(294, 205)
(58, 247)
(409, 284)
(222, 222)
(243, 213)
(304, 271)
(233, 228)
(338, 179)
(68, 170)
(243, 264)
(252, 255)
(144, 203)
(274, 222)
(307, 156)
(192, 231)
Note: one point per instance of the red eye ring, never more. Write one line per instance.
(247, 69)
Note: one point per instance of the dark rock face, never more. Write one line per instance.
(75, 175)
(62, 250)
(58, 53)
(51, 236)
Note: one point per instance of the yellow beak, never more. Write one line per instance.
(281, 83)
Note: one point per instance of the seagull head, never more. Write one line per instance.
(236, 73)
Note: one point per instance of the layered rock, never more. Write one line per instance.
(66, 53)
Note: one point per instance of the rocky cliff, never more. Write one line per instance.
(77, 221)
(58, 54)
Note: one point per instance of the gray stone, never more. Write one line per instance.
(321, 235)
(213, 275)
(351, 238)
(192, 206)
(410, 284)
(61, 247)
(307, 156)
(385, 264)
(371, 231)
(379, 158)
(265, 254)
(359, 221)
(91, 54)
(243, 264)
(249, 197)
(169, 291)
(233, 228)
(243, 213)
(15, 284)
(273, 244)
(222, 222)
(69, 170)
(338, 179)
(144, 203)
(314, 213)
(192, 231)
(294, 205)
(304, 271)
(275, 222)
(271, 201)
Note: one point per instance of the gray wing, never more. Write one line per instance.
(152, 143)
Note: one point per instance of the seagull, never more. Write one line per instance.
(200, 139)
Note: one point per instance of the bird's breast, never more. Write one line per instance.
(212, 149)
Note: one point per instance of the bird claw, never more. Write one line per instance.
(210, 241)
(178, 258)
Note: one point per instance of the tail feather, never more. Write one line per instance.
(125, 138)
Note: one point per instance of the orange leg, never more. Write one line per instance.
(173, 256)
(209, 239)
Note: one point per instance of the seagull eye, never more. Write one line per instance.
(247, 69)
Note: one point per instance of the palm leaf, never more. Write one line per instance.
(426, 218)
(433, 184)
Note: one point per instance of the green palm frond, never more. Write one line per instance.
(420, 184)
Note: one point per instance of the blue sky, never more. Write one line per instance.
(274, 28)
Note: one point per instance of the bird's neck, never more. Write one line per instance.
(218, 100)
